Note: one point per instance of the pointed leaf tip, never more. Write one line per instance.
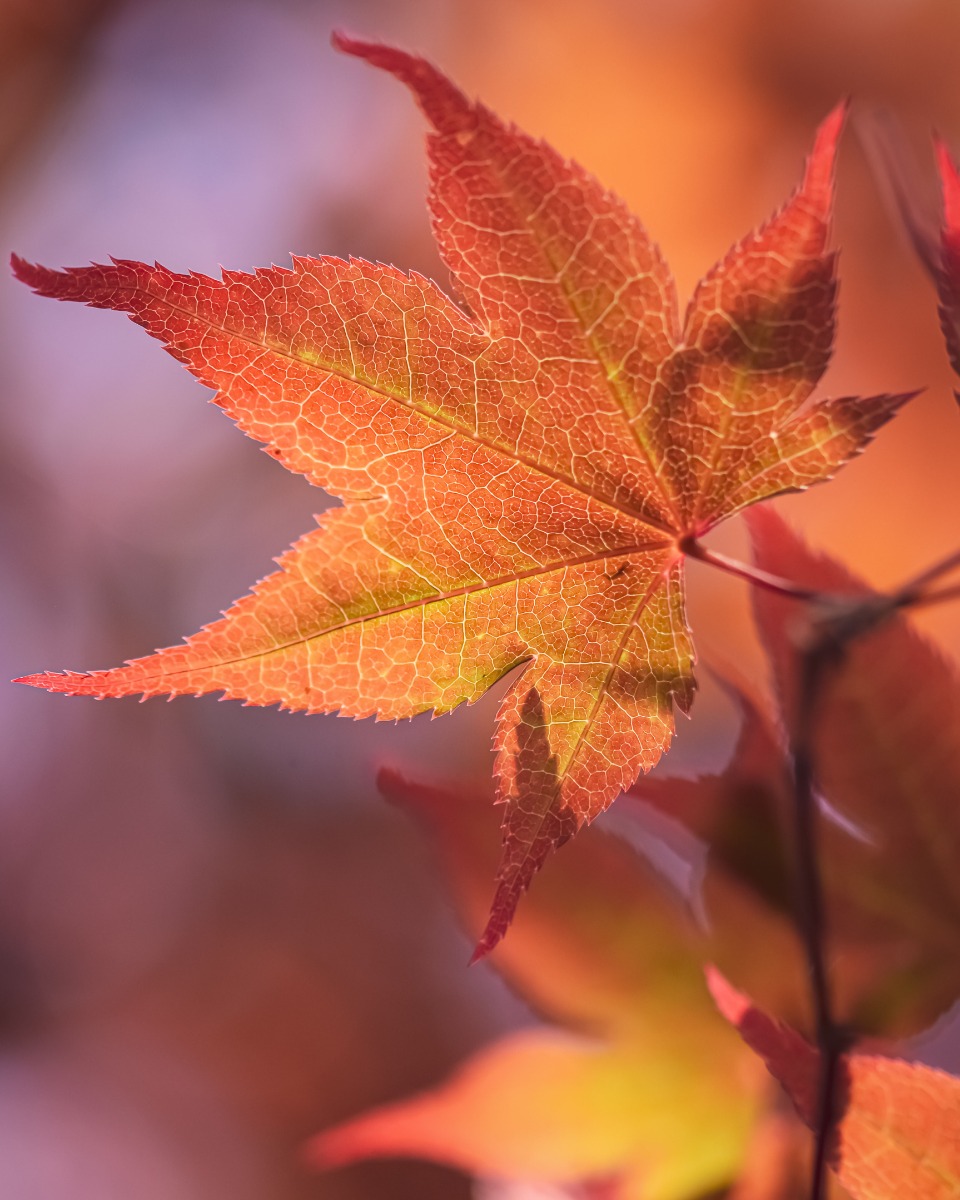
(519, 865)
(41, 680)
(950, 182)
(67, 284)
(818, 177)
(347, 44)
(443, 104)
(732, 1005)
(27, 272)
(481, 950)
(502, 911)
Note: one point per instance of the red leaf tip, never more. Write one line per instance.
(27, 272)
(37, 681)
(443, 104)
(401, 63)
(732, 1004)
(347, 44)
(45, 281)
(818, 178)
(509, 890)
(950, 182)
(490, 939)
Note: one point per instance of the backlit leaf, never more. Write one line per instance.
(519, 475)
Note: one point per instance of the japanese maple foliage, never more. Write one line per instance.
(521, 476)
(898, 1132)
(654, 1102)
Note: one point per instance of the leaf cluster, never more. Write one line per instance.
(523, 473)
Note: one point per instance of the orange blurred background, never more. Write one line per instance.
(215, 938)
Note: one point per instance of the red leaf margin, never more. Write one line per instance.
(948, 281)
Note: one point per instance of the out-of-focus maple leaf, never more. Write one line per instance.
(777, 1164)
(888, 759)
(520, 476)
(887, 754)
(645, 1088)
(937, 243)
(898, 1130)
(746, 897)
(949, 275)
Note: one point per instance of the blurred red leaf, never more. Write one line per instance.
(887, 753)
(888, 759)
(949, 275)
(647, 1088)
(742, 815)
(520, 482)
(899, 1129)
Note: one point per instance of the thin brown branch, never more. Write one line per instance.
(913, 587)
(935, 597)
(817, 658)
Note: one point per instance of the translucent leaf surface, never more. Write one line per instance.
(519, 475)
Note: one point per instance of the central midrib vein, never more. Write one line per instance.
(421, 602)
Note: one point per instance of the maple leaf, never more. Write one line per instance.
(887, 755)
(520, 476)
(888, 762)
(948, 276)
(642, 1086)
(935, 238)
(898, 1131)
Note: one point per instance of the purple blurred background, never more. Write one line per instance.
(215, 938)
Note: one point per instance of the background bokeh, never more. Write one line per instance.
(215, 938)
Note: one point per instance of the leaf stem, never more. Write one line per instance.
(763, 579)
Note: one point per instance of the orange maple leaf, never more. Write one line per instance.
(521, 476)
